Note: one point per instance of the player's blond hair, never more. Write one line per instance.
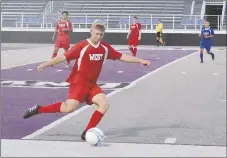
(98, 24)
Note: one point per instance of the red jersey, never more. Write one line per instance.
(135, 29)
(63, 24)
(90, 59)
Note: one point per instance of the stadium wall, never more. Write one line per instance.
(173, 39)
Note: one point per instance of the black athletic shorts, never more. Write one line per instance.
(158, 34)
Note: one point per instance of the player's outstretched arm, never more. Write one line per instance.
(51, 62)
(131, 59)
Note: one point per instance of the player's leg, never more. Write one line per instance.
(208, 48)
(130, 46)
(97, 97)
(68, 61)
(157, 38)
(161, 40)
(66, 46)
(55, 53)
(56, 48)
(201, 51)
(135, 46)
(77, 94)
(63, 107)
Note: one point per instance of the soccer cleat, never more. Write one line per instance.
(213, 57)
(83, 136)
(31, 111)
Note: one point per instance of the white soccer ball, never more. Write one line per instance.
(94, 136)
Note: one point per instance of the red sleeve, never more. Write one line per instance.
(139, 26)
(74, 52)
(113, 54)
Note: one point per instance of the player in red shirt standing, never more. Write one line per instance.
(63, 27)
(134, 36)
(90, 55)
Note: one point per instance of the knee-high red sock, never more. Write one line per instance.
(51, 108)
(134, 51)
(131, 49)
(54, 54)
(95, 119)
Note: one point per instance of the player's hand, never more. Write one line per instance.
(127, 36)
(139, 38)
(40, 68)
(206, 37)
(200, 35)
(146, 63)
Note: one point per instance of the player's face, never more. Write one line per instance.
(207, 24)
(96, 35)
(134, 20)
(64, 16)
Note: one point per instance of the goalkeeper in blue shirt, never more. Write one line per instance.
(207, 34)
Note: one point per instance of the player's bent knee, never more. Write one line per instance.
(101, 101)
(71, 105)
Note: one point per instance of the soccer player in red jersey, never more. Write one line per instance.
(90, 54)
(134, 36)
(63, 27)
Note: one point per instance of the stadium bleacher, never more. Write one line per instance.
(13, 10)
(23, 6)
(118, 13)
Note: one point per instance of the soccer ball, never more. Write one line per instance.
(94, 136)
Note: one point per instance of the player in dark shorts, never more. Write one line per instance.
(159, 28)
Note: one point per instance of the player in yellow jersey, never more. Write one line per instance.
(159, 28)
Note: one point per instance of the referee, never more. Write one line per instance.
(159, 28)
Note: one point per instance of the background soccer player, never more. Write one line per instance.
(134, 36)
(63, 27)
(90, 55)
(159, 28)
(207, 33)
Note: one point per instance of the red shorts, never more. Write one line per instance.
(133, 42)
(62, 43)
(83, 93)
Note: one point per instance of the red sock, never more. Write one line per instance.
(95, 119)
(134, 51)
(51, 108)
(54, 55)
(131, 49)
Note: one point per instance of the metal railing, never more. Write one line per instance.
(48, 7)
(113, 21)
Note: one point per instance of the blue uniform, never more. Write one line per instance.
(206, 42)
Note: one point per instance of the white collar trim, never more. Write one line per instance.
(96, 46)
